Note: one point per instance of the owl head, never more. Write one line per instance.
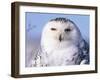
(60, 30)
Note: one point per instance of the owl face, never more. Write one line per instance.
(61, 31)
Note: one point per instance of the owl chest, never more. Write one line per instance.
(64, 56)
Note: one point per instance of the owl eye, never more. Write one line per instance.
(54, 29)
(67, 30)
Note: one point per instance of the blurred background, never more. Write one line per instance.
(35, 22)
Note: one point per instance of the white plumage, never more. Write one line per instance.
(62, 44)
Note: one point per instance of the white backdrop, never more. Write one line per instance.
(5, 40)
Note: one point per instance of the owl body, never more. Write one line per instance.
(62, 44)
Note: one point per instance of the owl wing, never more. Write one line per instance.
(84, 48)
(35, 57)
(39, 58)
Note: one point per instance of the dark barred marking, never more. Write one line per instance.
(59, 19)
(63, 20)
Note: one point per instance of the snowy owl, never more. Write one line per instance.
(62, 44)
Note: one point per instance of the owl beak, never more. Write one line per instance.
(60, 38)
